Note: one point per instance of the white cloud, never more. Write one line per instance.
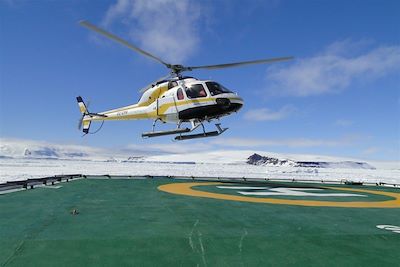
(114, 11)
(333, 70)
(167, 28)
(265, 114)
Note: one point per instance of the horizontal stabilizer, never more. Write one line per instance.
(91, 114)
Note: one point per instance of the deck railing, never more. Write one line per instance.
(32, 183)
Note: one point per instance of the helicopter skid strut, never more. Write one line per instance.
(180, 131)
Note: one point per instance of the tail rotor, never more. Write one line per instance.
(85, 124)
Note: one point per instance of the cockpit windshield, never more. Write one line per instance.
(196, 91)
(216, 88)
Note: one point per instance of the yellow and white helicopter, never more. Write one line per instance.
(174, 98)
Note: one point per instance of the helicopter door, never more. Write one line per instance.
(166, 107)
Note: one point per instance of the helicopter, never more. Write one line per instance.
(174, 98)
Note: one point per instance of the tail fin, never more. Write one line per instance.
(85, 112)
(82, 106)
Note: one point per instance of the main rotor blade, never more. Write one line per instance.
(236, 64)
(113, 37)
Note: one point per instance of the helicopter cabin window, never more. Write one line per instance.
(172, 84)
(217, 89)
(196, 91)
(179, 94)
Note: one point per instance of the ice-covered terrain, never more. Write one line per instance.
(26, 159)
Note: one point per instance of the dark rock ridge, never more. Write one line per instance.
(257, 159)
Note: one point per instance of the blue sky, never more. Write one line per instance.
(340, 96)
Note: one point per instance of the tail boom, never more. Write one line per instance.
(132, 112)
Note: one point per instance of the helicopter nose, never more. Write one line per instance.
(237, 103)
(223, 102)
(228, 105)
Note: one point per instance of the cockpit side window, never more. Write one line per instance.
(216, 88)
(179, 94)
(172, 84)
(196, 91)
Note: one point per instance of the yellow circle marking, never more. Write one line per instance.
(186, 189)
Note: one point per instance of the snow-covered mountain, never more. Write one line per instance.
(28, 149)
(19, 149)
(257, 159)
(23, 159)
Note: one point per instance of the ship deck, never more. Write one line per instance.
(170, 222)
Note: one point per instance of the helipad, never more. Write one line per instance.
(168, 222)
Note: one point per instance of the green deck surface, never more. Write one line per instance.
(130, 222)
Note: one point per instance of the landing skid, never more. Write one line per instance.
(194, 136)
(161, 133)
(180, 131)
(202, 135)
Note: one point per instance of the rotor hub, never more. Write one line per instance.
(177, 68)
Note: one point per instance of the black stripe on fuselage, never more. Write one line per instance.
(208, 111)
